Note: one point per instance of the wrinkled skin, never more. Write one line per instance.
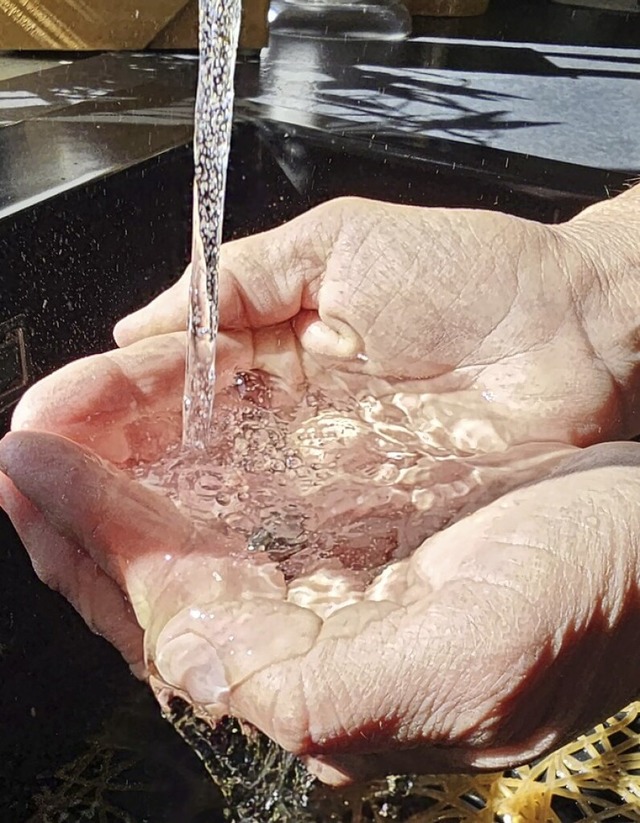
(470, 305)
(496, 640)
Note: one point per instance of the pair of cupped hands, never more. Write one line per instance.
(501, 635)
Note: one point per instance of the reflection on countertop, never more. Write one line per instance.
(539, 21)
(479, 105)
(570, 104)
(15, 64)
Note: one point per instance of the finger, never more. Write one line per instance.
(343, 770)
(265, 279)
(64, 567)
(97, 508)
(165, 314)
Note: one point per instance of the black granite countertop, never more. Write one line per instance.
(548, 112)
(539, 21)
(578, 105)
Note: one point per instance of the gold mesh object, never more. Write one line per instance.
(596, 778)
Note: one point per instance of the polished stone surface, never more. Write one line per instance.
(75, 123)
(539, 21)
(14, 64)
(477, 104)
(574, 105)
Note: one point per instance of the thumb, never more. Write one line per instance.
(265, 279)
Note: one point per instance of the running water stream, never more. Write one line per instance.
(219, 31)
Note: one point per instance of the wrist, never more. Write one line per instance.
(602, 245)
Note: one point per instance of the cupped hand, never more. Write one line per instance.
(498, 639)
(501, 317)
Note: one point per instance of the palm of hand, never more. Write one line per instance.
(462, 650)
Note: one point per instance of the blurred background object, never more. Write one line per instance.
(91, 25)
(340, 19)
(83, 25)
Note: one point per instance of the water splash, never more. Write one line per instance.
(335, 480)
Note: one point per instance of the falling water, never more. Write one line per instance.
(219, 30)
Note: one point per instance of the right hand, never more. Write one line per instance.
(495, 317)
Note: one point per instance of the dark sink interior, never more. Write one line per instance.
(106, 248)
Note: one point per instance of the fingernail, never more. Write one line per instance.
(191, 664)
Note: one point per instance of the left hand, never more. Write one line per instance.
(492, 643)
